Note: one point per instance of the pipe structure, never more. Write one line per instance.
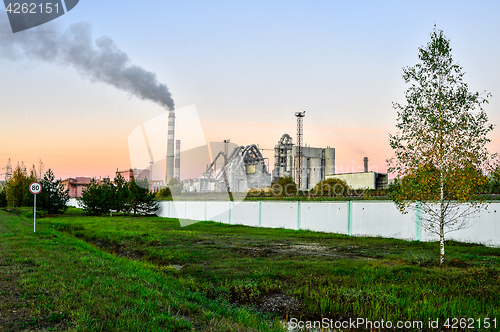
(169, 168)
(177, 173)
(365, 161)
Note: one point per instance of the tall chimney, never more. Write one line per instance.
(169, 169)
(177, 173)
(365, 161)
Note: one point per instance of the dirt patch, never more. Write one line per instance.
(280, 304)
(121, 250)
(116, 248)
(298, 249)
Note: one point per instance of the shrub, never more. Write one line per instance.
(495, 181)
(331, 187)
(165, 192)
(121, 194)
(54, 196)
(140, 200)
(3, 196)
(17, 189)
(175, 186)
(97, 198)
(285, 186)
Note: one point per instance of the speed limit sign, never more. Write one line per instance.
(35, 188)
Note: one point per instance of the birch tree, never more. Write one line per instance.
(440, 155)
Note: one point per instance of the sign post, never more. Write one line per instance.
(35, 188)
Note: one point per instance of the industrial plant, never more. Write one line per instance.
(306, 165)
(246, 168)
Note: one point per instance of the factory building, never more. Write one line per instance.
(75, 186)
(246, 168)
(365, 179)
(243, 169)
(316, 164)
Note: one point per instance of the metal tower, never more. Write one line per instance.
(8, 170)
(300, 117)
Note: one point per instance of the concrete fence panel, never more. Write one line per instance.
(196, 210)
(484, 228)
(219, 211)
(330, 217)
(280, 215)
(382, 219)
(246, 213)
(360, 218)
(162, 209)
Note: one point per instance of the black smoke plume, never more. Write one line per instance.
(100, 60)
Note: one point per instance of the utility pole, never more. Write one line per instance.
(300, 117)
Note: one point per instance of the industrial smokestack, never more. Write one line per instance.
(169, 169)
(365, 161)
(177, 173)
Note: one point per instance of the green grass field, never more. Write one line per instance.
(124, 273)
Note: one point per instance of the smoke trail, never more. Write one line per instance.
(100, 61)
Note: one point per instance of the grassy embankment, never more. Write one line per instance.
(151, 272)
(54, 281)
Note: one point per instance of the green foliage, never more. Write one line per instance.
(164, 193)
(100, 198)
(285, 186)
(331, 187)
(460, 185)
(3, 196)
(494, 184)
(140, 200)
(121, 194)
(243, 291)
(97, 198)
(54, 196)
(17, 189)
(440, 147)
(175, 186)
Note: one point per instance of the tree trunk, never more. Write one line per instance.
(441, 180)
(441, 242)
(441, 220)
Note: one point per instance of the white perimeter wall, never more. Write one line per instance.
(359, 218)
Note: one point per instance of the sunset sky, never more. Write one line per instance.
(247, 66)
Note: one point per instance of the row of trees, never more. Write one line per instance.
(15, 192)
(105, 197)
(174, 188)
(286, 186)
(99, 197)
